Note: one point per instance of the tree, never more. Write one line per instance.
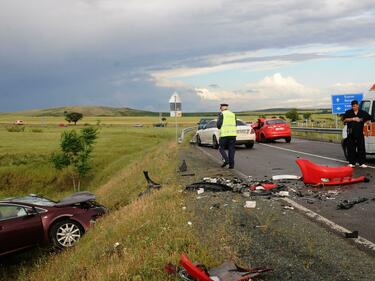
(75, 153)
(307, 115)
(292, 115)
(73, 117)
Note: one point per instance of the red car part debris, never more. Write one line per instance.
(316, 174)
(266, 186)
(193, 270)
(228, 271)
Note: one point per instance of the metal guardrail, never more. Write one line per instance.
(185, 131)
(335, 131)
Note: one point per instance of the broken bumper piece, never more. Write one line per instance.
(324, 175)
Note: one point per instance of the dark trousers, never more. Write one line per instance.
(356, 149)
(230, 144)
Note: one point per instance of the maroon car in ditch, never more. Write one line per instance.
(34, 220)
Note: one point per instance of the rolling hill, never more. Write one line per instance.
(85, 110)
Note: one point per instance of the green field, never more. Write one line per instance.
(25, 157)
(151, 229)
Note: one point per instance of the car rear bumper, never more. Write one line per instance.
(278, 135)
(240, 142)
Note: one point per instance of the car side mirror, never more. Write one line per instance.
(32, 211)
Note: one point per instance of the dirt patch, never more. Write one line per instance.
(268, 235)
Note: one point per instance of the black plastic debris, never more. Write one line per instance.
(347, 204)
(209, 186)
(183, 167)
(353, 234)
(150, 184)
(188, 175)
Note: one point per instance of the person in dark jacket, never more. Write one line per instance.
(227, 124)
(355, 119)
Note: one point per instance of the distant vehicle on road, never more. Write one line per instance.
(272, 129)
(19, 122)
(34, 220)
(210, 134)
(138, 125)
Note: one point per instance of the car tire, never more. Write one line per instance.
(288, 139)
(215, 143)
(249, 145)
(199, 142)
(344, 145)
(262, 138)
(66, 233)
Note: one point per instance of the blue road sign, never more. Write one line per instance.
(341, 103)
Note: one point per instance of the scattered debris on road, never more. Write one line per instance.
(250, 204)
(347, 204)
(353, 234)
(183, 166)
(285, 177)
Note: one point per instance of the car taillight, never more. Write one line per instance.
(252, 131)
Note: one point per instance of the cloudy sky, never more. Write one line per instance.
(250, 53)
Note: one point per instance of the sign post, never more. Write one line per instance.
(342, 103)
(175, 109)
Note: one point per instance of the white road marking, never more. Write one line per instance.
(309, 154)
(335, 227)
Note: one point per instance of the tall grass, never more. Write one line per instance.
(152, 230)
(25, 165)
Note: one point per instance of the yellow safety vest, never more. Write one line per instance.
(229, 127)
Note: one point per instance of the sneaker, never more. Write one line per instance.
(351, 165)
(363, 166)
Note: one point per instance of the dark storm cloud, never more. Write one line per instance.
(102, 51)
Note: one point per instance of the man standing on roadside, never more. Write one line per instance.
(226, 123)
(355, 119)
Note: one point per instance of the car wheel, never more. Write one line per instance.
(249, 145)
(215, 143)
(288, 139)
(344, 145)
(66, 233)
(262, 138)
(199, 142)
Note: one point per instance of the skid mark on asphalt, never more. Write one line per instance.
(309, 154)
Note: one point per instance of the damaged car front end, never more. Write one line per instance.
(34, 220)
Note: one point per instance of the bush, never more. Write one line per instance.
(35, 130)
(15, 129)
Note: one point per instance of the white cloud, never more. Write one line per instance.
(271, 91)
(350, 87)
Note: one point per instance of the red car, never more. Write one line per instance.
(272, 129)
(34, 220)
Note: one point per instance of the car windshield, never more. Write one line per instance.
(35, 200)
(275, 122)
(241, 123)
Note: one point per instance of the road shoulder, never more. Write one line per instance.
(269, 235)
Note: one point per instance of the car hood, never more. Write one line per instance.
(78, 197)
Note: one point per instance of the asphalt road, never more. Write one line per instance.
(266, 160)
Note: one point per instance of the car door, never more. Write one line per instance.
(366, 106)
(210, 131)
(19, 228)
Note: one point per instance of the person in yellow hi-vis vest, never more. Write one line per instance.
(227, 124)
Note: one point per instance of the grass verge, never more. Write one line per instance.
(152, 230)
